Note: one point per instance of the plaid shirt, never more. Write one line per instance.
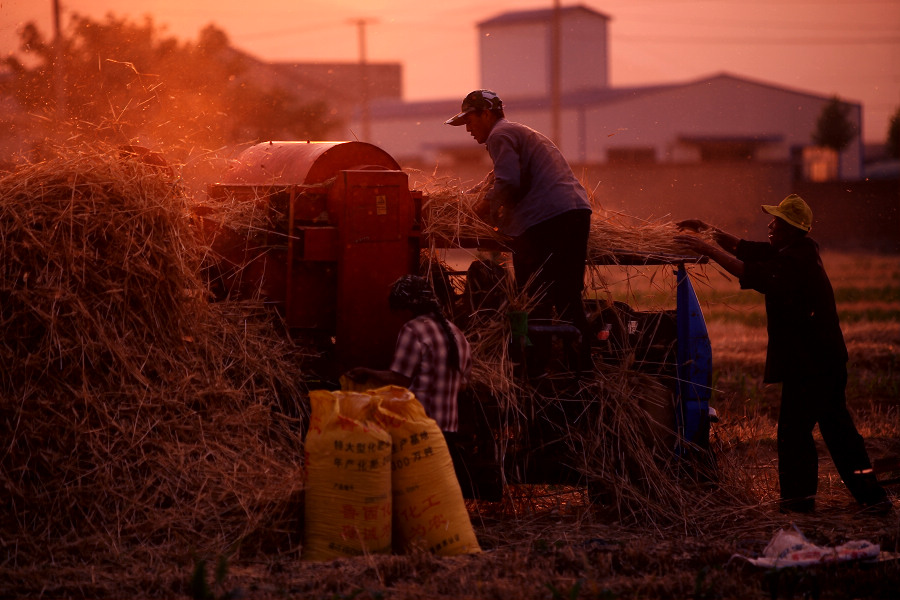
(421, 355)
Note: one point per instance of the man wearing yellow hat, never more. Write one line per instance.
(806, 351)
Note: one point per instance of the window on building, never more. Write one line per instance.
(820, 163)
(730, 151)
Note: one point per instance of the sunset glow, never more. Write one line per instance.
(843, 47)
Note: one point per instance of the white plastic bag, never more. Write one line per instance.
(790, 548)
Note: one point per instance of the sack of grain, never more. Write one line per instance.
(348, 504)
(428, 506)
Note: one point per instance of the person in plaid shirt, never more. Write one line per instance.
(432, 357)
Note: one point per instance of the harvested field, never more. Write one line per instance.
(153, 447)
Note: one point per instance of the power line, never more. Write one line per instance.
(292, 31)
(879, 28)
(786, 41)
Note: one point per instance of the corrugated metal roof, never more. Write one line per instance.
(389, 109)
(539, 14)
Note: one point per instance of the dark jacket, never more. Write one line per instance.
(804, 332)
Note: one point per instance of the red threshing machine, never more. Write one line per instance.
(347, 228)
(333, 224)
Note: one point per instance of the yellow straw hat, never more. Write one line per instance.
(793, 210)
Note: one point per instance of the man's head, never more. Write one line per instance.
(413, 293)
(481, 109)
(793, 218)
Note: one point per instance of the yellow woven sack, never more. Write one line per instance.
(348, 479)
(348, 385)
(429, 510)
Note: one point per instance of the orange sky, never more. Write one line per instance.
(846, 47)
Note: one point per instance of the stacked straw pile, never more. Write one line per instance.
(140, 421)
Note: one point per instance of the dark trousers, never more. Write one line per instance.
(820, 399)
(548, 261)
(554, 253)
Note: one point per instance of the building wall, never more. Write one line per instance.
(420, 137)
(727, 194)
(855, 215)
(585, 63)
(720, 107)
(516, 59)
(516, 56)
(656, 120)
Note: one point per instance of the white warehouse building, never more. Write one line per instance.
(717, 118)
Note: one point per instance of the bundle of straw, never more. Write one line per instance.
(613, 233)
(141, 421)
(449, 216)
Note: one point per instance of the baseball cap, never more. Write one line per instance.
(475, 101)
(793, 210)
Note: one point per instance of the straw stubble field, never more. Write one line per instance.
(152, 446)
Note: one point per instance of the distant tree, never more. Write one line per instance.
(834, 129)
(893, 135)
(126, 79)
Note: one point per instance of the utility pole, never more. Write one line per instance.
(366, 117)
(555, 75)
(59, 74)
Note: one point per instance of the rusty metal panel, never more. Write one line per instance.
(318, 243)
(311, 294)
(375, 216)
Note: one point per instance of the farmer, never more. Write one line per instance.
(806, 351)
(431, 358)
(532, 196)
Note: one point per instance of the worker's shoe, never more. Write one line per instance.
(797, 505)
